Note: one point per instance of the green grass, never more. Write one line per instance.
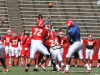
(73, 71)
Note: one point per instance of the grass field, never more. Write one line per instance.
(73, 71)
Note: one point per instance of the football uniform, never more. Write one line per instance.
(26, 47)
(51, 34)
(7, 40)
(20, 44)
(14, 46)
(74, 34)
(37, 43)
(99, 48)
(89, 48)
(55, 48)
(63, 44)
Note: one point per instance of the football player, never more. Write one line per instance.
(73, 32)
(25, 53)
(22, 37)
(90, 48)
(63, 42)
(55, 51)
(39, 34)
(14, 48)
(7, 39)
(98, 47)
(1, 59)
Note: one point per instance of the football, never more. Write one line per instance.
(50, 5)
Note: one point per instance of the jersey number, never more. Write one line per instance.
(90, 43)
(37, 32)
(14, 42)
(54, 42)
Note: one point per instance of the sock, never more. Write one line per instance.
(57, 66)
(3, 62)
(67, 67)
(88, 67)
(36, 66)
(62, 64)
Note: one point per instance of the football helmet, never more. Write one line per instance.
(41, 23)
(14, 34)
(9, 32)
(47, 27)
(60, 34)
(90, 37)
(69, 23)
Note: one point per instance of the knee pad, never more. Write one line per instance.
(47, 55)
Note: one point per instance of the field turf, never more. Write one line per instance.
(73, 71)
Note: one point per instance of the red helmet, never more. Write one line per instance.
(9, 31)
(47, 27)
(41, 23)
(60, 34)
(69, 23)
(14, 34)
(90, 37)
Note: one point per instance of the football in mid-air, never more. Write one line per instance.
(50, 5)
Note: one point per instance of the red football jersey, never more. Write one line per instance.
(39, 33)
(15, 41)
(7, 39)
(51, 34)
(28, 42)
(53, 42)
(90, 44)
(63, 42)
(99, 42)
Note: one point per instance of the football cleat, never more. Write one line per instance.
(66, 71)
(35, 69)
(26, 69)
(42, 66)
(88, 71)
(5, 70)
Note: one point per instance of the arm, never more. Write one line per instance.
(84, 47)
(1, 23)
(95, 48)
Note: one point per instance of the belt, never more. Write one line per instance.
(56, 47)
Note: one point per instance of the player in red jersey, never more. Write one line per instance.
(63, 42)
(51, 34)
(14, 47)
(90, 47)
(55, 51)
(22, 39)
(39, 34)
(25, 53)
(98, 66)
(7, 38)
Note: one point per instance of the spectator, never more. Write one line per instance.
(98, 3)
(2, 20)
(39, 18)
(49, 20)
